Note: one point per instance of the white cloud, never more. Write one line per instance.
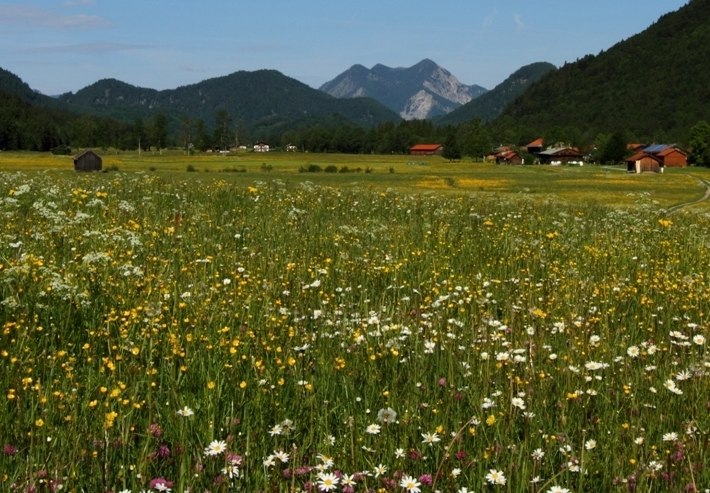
(87, 48)
(78, 3)
(23, 16)
(519, 24)
(489, 19)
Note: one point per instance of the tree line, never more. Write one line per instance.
(27, 127)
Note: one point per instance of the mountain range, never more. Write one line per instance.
(422, 91)
(263, 99)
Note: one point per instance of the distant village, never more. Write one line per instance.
(642, 157)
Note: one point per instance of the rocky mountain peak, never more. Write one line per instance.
(421, 91)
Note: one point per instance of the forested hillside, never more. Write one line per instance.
(263, 101)
(32, 121)
(654, 85)
(490, 105)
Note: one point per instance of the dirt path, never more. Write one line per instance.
(682, 205)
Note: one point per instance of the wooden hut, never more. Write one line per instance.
(87, 161)
(642, 161)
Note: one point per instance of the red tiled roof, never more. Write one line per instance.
(508, 154)
(536, 143)
(425, 147)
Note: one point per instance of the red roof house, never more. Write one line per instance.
(535, 146)
(427, 149)
(509, 157)
(673, 157)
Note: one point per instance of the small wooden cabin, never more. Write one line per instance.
(87, 161)
(642, 161)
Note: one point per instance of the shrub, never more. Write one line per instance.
(314, 168)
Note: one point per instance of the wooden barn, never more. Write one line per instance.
(656, 157)
(261, 147)
(669, 155)
(509, 157)
(560, 155)
(642, 161)
(87, 161)
(426, 149)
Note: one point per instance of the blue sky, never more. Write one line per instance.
(64, 45)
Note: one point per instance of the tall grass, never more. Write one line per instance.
(205, 335)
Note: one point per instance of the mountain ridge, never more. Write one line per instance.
(421, 91)
(263, 98)
(490, 105)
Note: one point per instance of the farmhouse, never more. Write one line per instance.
(656, 157)
(493, 155)
(536, 146)
(560, 155)
(427, 149)
(87, 161)
(509, 156)
(261, 147)
(670, 155)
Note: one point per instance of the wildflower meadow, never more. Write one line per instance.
(161, 333)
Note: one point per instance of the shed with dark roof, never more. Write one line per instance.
(87, 161)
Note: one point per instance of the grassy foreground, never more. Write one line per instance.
(270, 330)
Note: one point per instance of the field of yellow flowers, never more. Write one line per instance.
(208, 336)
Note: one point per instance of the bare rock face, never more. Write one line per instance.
(422, 91)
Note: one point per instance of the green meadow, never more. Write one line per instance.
(323, 322)
(606, 185)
